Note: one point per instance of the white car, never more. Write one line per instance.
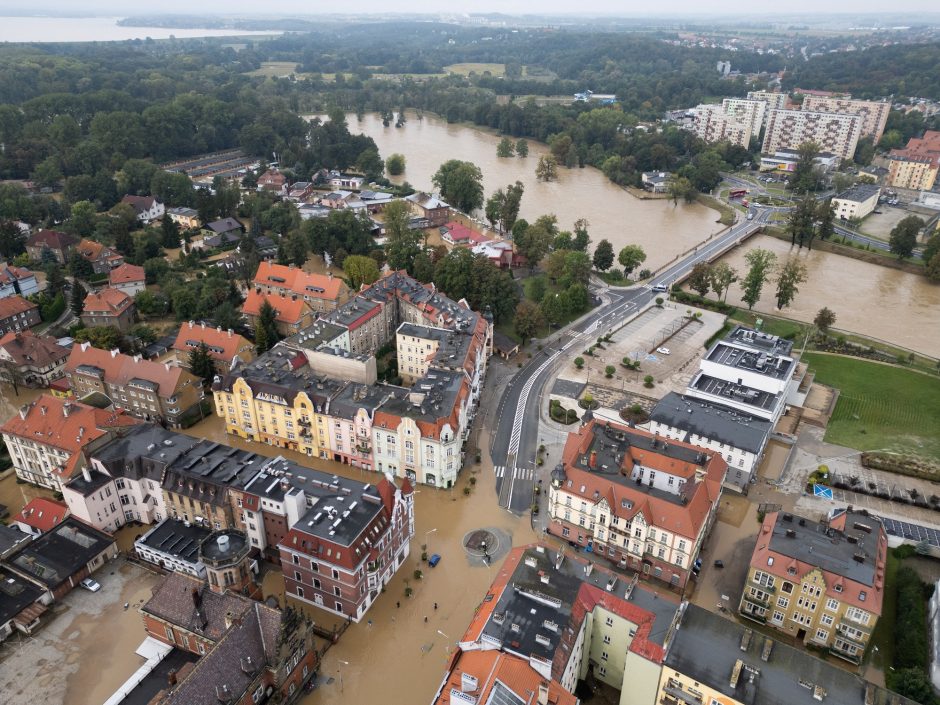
(664, 351)
(91, 585)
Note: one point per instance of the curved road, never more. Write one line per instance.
(514, 441)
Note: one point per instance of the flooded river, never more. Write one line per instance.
(662, 229)
(868, 299)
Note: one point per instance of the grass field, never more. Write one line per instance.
(466, 69)
(282, 69)
(881, 406)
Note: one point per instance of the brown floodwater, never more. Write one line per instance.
(662, 229)
(868, 299)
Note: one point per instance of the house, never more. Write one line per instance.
(64, 556)
(645, 503)
(565, 617)
(458, 234)
(17, 280)
(47, 438)
(229, 229)
(34, 360)
(40, 515)
(273, 180)
(109, 307)
(500, 253)
(58, 243)
(186, 218)
(21, 603)
(711, 659)
(346, 181)
(300, 191)
(224, 346)
(12, 539)
(856, 202)
(433, 209)
(147, 208)
(338, 199)
(505, 346)
(656, 181)
(492, 675)
(148, 390)
(322, 292)
(128, 278)
(103, 259)
(819, 582)
(293, 313)
(17, 314)
(376, 200)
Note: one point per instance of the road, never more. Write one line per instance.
(515, 437)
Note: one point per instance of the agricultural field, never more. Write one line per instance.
(881, 406)
(283, 69)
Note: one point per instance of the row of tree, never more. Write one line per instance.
(762, 267)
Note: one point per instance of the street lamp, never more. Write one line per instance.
(341, 663)
(443, 634)
(427, 539)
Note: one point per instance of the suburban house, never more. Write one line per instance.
(219, 234)
(338, 199)
(500, 253)
(63, 556)
(40, 515)
(58, 243)
(322, 292)
(186, 218)
(109, 307)
(128, 278)
(567, 620)
(224, 346)
(643, 502)
(456, 233)
(149, 390)
(17, 280)
(103, 258)
(34, 360)
(300, 191)
(147, 208)
(346, 181)
(856, 202)
(656, 181)
(429, 207)
(293, 313)
(47, 439)
(273, 180)
(822, 582)
(17, 314)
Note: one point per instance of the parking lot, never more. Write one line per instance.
(88, 629)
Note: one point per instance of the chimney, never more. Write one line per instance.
(66, 409)
(86, 473)
(229, 619)
(171, 677)
(167, 366)
(42, 410)
(114, 353)
(84, 346)
(23, 411)
(230, 331)
(593, 461)
(330, 274)
(543, 693)
(197, 598)
(138, 358)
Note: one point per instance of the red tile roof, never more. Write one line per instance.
(290, 309)
(92, 250)
(53, 239)
(120, 369)
(111, 302)
(10, 274)
(126, 273)
(13, 305)
(488, 667)
(223, 345)
(302, 283)
(26, 347)
(42, 514)
(139, 203)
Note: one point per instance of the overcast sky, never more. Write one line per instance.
(621, 7)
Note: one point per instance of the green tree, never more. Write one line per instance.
(700, 278)
(395, 164)
(603, 256)
(681, 187)
(723, 275)
(577, 269)
(631, 257)
(791, 275)
(404, 244)
(932, 270)
(55, 279)
(48, 172)
(801, 222)
(826, 217)
(359, 270)
(903, 238)
(460, 184)
(502, 208)
(931, 248)
(454, 273)
(151, 303)
(266, 333)
(581, 240)
(553, 309)
(805, 176)
(555, 264)
(12, 242)
(102, 337)
(292, 249)
(522, 148)
(370, 163)
(77, 302)
(760, 264)
(423, 268)
(547, 168)
(201, 364)
(505, 148)
(82, 218)
(914, 683)
(169, 233)
(533, 241)
(79, 267)
(824, 319)
(528, 320)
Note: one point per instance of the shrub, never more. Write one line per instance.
(466, 490)
(418, 574)
(648, 381)
(579, 362)
(409, 591)
(659, 300)
(609, 371)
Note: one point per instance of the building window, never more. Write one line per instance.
(832, 605)
(300, 592)
(339, 607)
(170, 635)
(607, 638)
(298, 577)
(337, 592)
(609, 621)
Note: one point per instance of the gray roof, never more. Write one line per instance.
(734, 392)
(859, 192)
(173, 537)
(16, 594)
(712, 421)
(144, 450)
(61, 552)
(284, 373)
(707, 647)
(851, 554)
(453, 345)
(361, 396)
(224, 225)
(352, 311)
(11, 538)
(189, 603)
(431, 398)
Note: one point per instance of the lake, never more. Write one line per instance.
(96, 29)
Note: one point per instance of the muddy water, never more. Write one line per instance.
(662, 229)
(400, 659)
(875, 301)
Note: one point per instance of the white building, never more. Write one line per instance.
(831, 132)
(856, 202)
(174, 545)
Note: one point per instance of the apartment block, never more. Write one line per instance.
(831, 132)
(751, 112)
(292, 313)
(31, 359)
(915, 166)
(149, 390)
(225, 346)
(643, 502)
(109, 307)
(17, 314)
(322, 292)
(566, 620)
(714, 124)
(819, 582)
(874, 114)
(775, 101)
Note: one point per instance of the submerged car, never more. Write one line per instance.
(92, 585)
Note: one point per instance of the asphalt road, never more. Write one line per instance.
(514, 442)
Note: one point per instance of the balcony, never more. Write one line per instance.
(680, 696)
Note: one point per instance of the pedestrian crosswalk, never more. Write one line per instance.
(518, 473)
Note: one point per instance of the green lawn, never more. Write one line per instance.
(881, 406)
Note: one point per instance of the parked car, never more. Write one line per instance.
(92, 585)
(664, 351)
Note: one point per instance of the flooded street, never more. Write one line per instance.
(875, 301)
(662, 229)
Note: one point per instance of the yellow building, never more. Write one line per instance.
(820, 582)
(911, 172)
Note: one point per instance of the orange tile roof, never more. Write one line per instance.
(488, 667)
(120, 369)
(125, 274)
(12, 305)
(223, 344)
(42, 514)
(107, 301)
(90, 249)
(290, 309)
(300, 282)
(25, 347)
